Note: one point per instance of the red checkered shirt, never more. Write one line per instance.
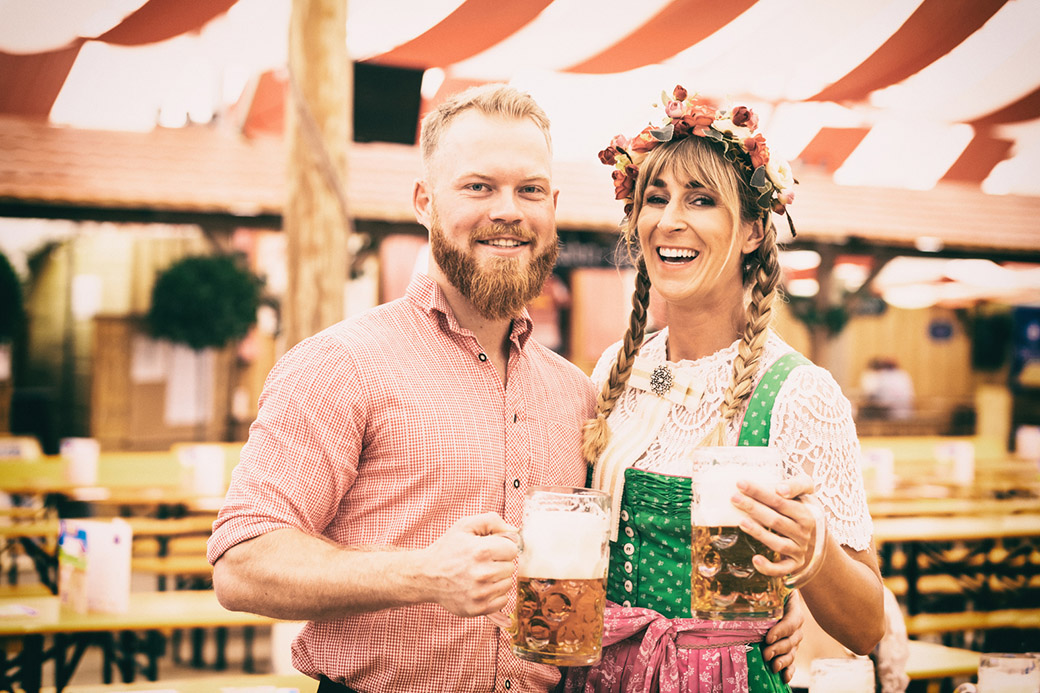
(384, 430)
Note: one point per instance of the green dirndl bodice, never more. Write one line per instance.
(651, 563)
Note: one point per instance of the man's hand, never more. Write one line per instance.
(783, 638)
(470, 567)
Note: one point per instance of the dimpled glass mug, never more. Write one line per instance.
(842, 675)
(725, 584)
(1005, 673)
(561, 577)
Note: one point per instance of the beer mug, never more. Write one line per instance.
(1005, 673)
(725, 584)
(561, 577)
(842, 675)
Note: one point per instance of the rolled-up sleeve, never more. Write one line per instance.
(302, 454)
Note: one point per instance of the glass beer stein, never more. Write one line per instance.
(725, 584)
(561, 577)
(1005, 673)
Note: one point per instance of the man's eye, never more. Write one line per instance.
(531, 190)
(477, 187)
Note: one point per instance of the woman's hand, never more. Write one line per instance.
(782, 640)
(783, 521)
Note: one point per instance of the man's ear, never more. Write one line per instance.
(756, 234)
(422, 202)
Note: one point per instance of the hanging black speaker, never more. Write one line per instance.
(386, 103)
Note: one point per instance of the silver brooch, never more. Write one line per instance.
(661, 381)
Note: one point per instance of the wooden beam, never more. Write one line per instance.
(316, 219)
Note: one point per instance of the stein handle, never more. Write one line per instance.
(503, 621)
(796, 580)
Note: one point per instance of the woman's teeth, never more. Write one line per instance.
(679, 255)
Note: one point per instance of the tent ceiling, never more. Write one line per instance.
(890, 93)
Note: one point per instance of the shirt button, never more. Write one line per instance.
(629, 533)
(626, 603)
(628, 585)
(629, 549)
(508, 684)
(624, 516)
(628, 566)
(516, 483)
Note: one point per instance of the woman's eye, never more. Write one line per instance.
(703, 201)
(656, 200)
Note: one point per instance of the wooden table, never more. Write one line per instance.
(33, 618)
(933, 661)
(989, 560)
(920, 507)
(208, 684)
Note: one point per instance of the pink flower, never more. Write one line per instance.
(644, 141)
(679, 94)
(787, 196)
(745, 117)
(607, 156)
(757, 149)
(619, 142)
(674, 109)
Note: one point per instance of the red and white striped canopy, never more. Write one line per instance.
(892, 93)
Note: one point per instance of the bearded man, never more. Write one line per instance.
(392, 451)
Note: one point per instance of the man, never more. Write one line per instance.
(389, 460)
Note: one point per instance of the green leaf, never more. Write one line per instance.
(663, 134)
(758, 178)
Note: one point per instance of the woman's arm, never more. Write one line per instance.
(844, 591)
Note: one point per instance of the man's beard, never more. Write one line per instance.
(501, 286)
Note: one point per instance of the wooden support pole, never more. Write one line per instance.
(317, 222)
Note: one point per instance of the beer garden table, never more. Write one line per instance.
(33, 618)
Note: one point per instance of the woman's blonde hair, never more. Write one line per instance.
(695, 159)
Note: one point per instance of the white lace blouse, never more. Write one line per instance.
(811, 425)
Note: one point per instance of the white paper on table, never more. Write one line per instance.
(189, 387)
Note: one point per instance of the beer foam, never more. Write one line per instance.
(713, 488)
(564, 545)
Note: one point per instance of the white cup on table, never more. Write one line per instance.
(1002, 672)
(81, 460)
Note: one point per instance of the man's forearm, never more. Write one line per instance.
(295, 576)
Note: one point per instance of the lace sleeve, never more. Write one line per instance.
(812, 425)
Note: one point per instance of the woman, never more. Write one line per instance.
(700, 193)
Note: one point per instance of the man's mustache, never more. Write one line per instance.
(517, 231)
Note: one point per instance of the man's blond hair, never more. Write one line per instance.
(499, 100)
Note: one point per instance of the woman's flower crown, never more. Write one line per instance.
(733, 130)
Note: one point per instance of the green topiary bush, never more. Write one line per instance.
(204, 301)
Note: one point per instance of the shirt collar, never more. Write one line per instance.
(427, 295)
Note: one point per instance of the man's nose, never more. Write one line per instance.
(504, 208)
